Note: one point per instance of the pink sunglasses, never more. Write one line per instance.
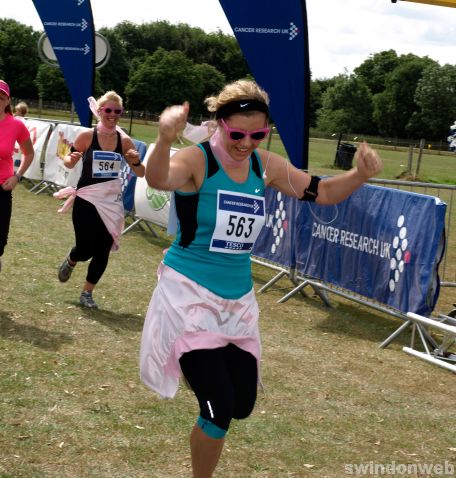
(117, 111)
(238, 134)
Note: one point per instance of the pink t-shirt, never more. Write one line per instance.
(11, 130)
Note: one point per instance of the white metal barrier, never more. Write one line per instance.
(437, 353)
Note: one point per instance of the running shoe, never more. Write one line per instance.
(65, 270)
(86, 300)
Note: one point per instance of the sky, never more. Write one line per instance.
(342, 33)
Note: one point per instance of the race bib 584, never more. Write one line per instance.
(106, 164)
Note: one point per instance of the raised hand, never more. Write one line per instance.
(172, 121)
(368, 162)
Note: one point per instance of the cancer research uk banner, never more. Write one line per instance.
(70, 29)
(381, 243)
(276, 240)
(273, 38)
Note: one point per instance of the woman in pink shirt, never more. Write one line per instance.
(12, 130)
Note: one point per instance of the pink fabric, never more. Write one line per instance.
(184, 316)
(198, 134)
(12, 129)
(216, 143)
(107, 198)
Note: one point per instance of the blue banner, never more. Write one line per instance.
(273, 38)
(381, 243)
(276, 240)
(129, 179)
(70, 29)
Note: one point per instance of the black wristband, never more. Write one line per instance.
(311, 193)
(137, 164)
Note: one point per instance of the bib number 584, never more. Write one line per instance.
(106, 166)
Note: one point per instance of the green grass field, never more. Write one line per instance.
(72, 404)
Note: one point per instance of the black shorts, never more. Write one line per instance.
(224, 381)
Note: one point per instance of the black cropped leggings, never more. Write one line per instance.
(6, 205)
(224, 381)
(93, 240)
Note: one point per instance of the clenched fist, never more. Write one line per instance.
(172, 121)
(368, 162)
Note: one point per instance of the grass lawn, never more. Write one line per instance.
(435, 168)
(72, 405)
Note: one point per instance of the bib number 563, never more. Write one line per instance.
(240, 226)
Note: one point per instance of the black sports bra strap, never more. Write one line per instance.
(256, 164)
(212, 165)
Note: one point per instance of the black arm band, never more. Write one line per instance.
(311, 193)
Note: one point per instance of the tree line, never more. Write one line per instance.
(156, 64)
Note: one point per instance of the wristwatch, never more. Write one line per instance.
(18, 176)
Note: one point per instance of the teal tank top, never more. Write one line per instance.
(217, 227)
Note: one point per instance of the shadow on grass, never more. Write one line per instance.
(114, 320)
(45, 339)
(354, 321)
(362, 324)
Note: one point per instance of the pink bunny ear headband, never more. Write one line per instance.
(93, 105)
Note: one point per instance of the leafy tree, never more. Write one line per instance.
(212, 82)
(18, 57)
(376, 69)
(129, 37)
(317, 88)
(347, 106)
(113, 75)
(315, 102)
(394, 106)
(223, 52)
(164, 78)
(435, 96)
(51, 85)
(216, 49)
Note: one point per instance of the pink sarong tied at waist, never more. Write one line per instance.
(107, 198)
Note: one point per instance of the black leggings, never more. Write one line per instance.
(93, 240)
(224, 381)
(6, 205)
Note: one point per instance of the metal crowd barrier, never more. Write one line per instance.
(447, 272)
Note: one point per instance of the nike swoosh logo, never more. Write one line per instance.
(257, 190)
(242, 105)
